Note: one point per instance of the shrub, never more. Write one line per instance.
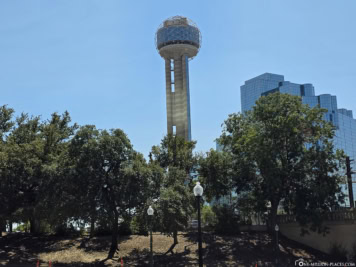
(124, 227)
(23, 227)
(209, 219)
(227, 222)
(65, 230)
(338, 252)
(138, 226)
(101, 230)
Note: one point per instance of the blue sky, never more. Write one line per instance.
(97, 59)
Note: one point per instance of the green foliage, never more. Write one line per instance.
(51, 172)
(41, 227)
(24, 227)
(30, 154)
(248, 205)
(108, 177)
(227, 220)
(175, 199)
(174, 151)
(208, 216)
(125, 227)
(139, 225)
(100, 166)
(174, 207)
(6, 122)
(280, 151)
(216, 174)
(64, 230)
(103, 227)
(21, 165)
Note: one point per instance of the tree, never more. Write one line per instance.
(55, 135)
(31, 152)
(174, 207)
(22, 166)
(175, 202)
(6, 122)
(108, 176)
(216, 164)
(282, 150)
(208, 216)
(7, 198)
(82, 188)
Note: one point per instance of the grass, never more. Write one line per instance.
(245, 249)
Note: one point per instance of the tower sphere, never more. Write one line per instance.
(178, 36)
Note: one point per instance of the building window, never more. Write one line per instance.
(172, 64)
(302, 90)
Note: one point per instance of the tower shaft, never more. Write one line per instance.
(178, 39)
(178, 96)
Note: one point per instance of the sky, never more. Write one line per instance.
(97, 58)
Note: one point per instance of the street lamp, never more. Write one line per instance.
(276, 229)
(198, 192)
(150, 212)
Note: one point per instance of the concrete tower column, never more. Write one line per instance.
(178, 40)
(169, 98)
(186, 97)
(179, 96)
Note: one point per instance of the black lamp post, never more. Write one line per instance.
(198, 192)
(276, 228)
(150, 214)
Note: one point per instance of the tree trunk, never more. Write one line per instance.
(2, 226)
(175, 237)
(92, 226)
(273, 222)
(273, 216)
(32, 226)
(10, 226)
(175, 242)
(115, 232)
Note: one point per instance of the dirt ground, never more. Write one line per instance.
(245, 249)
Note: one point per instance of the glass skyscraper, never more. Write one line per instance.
(345, 134)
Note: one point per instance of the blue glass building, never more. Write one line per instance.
(345, 134)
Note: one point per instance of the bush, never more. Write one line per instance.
(41, 227)
(25, 227)
(102, 226)
(338, 252)
(227, 222)
(101, 231)
(44, 227)
(64, 230)
(124, 227)
(209, 219)
(139, 226)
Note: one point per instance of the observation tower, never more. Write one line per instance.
(178, 40)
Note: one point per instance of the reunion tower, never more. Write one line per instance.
(178, 39)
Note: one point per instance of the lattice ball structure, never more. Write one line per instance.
(177, 31)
